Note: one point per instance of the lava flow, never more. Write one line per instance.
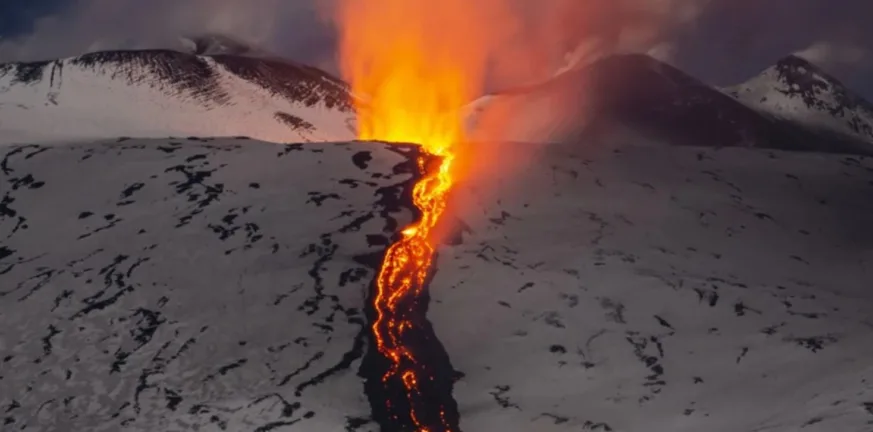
(412, 65)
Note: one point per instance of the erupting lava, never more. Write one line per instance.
(412, 65)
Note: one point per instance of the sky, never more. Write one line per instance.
(722, 42)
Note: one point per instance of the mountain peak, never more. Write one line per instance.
(806, 79)
(796, 89)
(796, 61)
(630, 95)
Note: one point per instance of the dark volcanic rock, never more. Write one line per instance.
(297, 82)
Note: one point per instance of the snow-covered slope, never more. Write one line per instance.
(662, 289)
(176, 286)
(797, 90)
(161, 93)
(221, 285)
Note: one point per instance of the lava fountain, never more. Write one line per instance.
(412, 65)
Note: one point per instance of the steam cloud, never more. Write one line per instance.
(720, 40)
(832, 56)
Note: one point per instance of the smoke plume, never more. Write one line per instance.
(297, 28)
(722, 41)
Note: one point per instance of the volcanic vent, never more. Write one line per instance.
(409, 375)
(409, 89)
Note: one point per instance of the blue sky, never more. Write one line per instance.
(726, 42)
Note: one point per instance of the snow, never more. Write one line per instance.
(75, 102)
(188, 285)
(611, 284)
(596, 287)
(796, 90)
(664, 289)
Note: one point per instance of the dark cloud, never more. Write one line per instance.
(283, 26)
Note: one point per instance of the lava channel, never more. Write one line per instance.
(411, 385)
(412, 69)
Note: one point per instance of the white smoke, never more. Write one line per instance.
(832, 56)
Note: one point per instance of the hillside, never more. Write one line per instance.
(167, 285)
(601, 286)
(637, 97)
(796, 90)
(161, 93)
(624, 287)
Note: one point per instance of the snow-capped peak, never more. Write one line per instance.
(797, 90)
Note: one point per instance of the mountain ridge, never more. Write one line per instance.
(634, 91)
(647, 96)
(290, 101)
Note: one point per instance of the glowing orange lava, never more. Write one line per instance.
(412, 65)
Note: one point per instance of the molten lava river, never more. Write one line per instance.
(399, 285)
(402, 278)
(408, 262)
(411, 67)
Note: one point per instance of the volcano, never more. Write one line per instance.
(648, 100)
(668, 256)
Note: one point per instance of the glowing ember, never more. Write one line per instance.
(412, 65)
